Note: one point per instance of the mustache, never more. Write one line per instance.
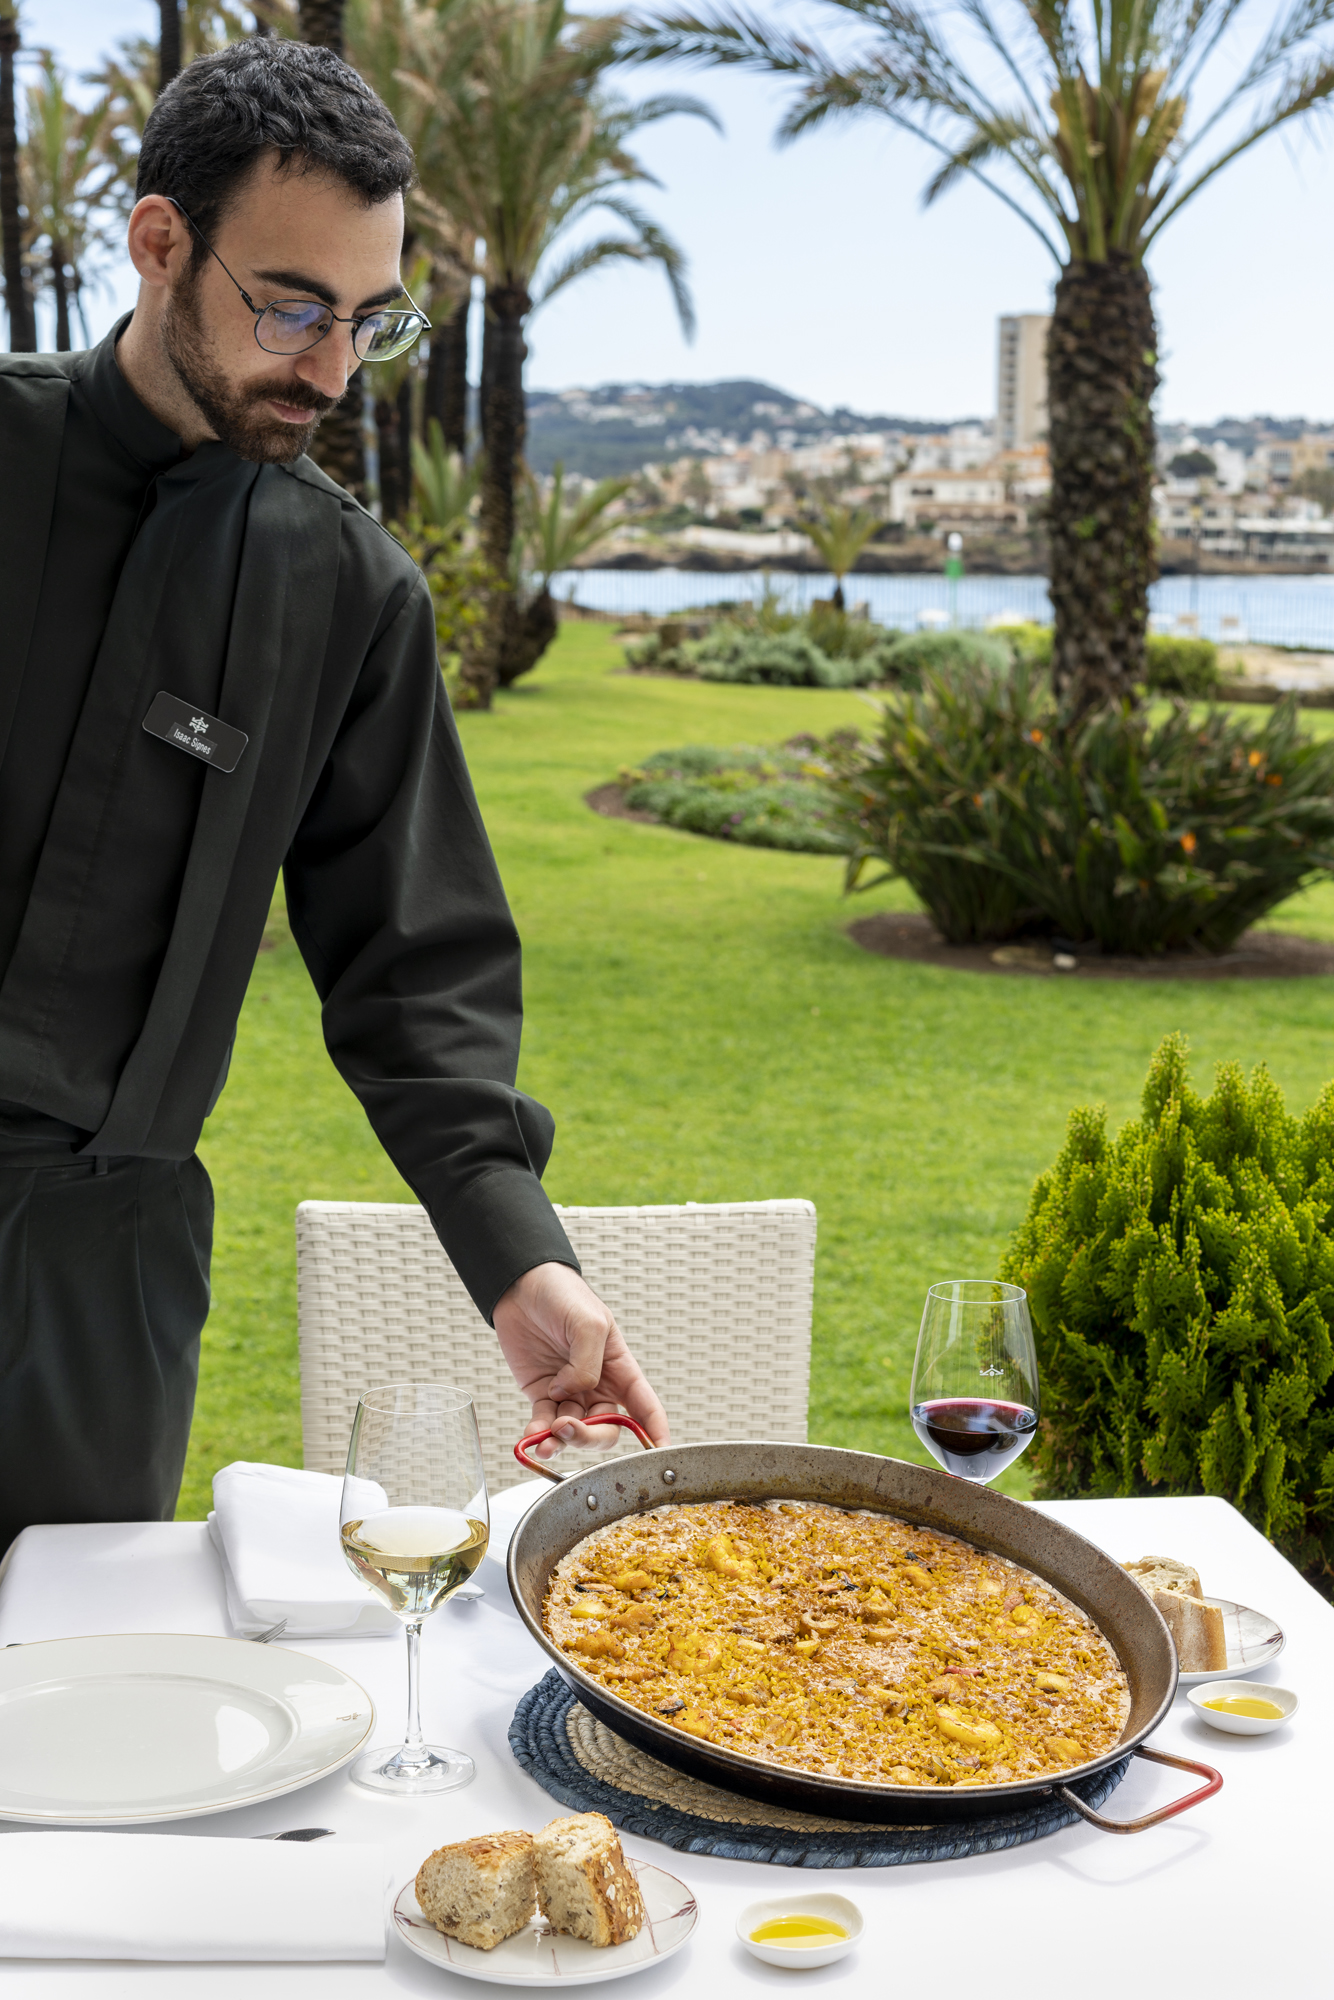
(297, 395)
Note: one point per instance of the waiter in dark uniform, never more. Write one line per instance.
(215, 665)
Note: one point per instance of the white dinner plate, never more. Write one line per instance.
(539, 1956)
(131, 1728)
(1253, 1640)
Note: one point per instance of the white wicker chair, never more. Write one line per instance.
(714, 1300)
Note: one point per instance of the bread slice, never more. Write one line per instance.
(583, 1884)
(481, 1890)
(1166, 1573)
(1196, 1627)
(1197, 1632)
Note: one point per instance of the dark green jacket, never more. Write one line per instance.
(353, 784)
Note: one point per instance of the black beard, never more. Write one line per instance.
(236, 416)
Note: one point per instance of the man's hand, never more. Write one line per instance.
(569, 1357)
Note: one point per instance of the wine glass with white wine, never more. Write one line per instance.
(414, 1525)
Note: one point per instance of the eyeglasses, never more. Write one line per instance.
(291, 326)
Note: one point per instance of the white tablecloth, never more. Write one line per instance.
(1228, 1902)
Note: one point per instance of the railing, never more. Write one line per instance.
(1290, 611)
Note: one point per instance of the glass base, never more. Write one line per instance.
(387, 1769)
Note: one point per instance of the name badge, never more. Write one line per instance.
(198, 734)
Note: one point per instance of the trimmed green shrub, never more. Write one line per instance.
(784, 659)
(1146, 835)
(1186, 667)
(762, 798)
(1030, 644)
(1181, 1282)
(1181, 666)
(919, 653)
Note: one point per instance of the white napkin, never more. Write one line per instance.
(128, 1895)
(276, 1531)
(507, 1510)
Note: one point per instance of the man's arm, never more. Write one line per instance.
(398, 910)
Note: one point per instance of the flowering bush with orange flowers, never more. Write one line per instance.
(1139, 833)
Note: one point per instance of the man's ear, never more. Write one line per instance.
(158, 240)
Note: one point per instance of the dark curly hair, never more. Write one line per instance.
(223, 112)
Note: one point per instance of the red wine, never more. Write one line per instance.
(972, 1437)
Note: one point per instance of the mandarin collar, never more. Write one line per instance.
(116, 407)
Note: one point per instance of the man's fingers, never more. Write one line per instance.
(628, 1381)
(582, 1373)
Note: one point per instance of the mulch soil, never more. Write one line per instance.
(1257, 955)
(609, 800)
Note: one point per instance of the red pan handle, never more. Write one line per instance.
(1207, 1791)
(524, 1445)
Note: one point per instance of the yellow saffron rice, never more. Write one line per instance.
(843, 1644)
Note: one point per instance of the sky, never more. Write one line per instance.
(815, 269)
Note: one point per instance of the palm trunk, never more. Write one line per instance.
(837, 600)
(337, 448)
(534, 630)
(60, 286)
(446, 396)
(169, 42)
(490, 644)
(393, 421)
(22, 327)
(321, 23)
(1101, 375)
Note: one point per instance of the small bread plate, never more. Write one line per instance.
(539, 1956)
(799, 1954)
(134, 1728)
(1253, 1640)
(1233, 1690)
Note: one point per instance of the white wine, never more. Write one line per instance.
(415, 1557)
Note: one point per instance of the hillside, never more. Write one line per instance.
(613, 430)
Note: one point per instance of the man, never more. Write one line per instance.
(213, 663)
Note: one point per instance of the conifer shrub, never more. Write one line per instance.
(1141, 832)
(1181, 1282)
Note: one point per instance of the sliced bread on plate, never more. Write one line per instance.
(481, 1890)
(583, 1884)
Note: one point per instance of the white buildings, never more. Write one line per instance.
(950, 501)
(1021, 379)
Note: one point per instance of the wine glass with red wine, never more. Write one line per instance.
(974, 1396)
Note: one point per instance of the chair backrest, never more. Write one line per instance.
(714, 1300)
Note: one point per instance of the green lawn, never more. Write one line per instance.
(703, 1030)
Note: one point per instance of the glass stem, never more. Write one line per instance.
(414, 1750)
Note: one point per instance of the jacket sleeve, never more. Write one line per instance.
(396, 904)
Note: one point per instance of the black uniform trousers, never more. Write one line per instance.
(103, 1296)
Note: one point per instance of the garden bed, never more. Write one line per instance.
(1257, 954)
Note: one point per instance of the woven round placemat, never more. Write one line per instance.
(589, 1768)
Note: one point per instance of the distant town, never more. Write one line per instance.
(724, 474)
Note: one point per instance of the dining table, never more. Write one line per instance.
(1230, 1899)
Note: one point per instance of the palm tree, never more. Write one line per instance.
(168, 42)
(520, 147)
(553, 534)
(442, 485)
(1078, 119)
(22, 327)
(130, 75)
(69, 173)
(840, 538)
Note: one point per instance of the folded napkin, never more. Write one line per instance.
(129, 1895)
(276, 1531)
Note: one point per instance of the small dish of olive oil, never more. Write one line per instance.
(800, 1931)
(1243, 1708)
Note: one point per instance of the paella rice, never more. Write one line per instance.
(846, 1644)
